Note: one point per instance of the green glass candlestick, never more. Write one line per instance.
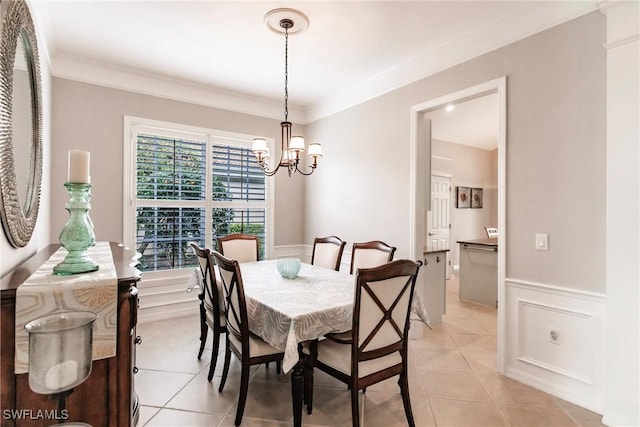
(77, 235)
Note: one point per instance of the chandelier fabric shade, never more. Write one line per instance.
(292, 148)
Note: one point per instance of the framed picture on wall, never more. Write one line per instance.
(463, 197)
(476, 197)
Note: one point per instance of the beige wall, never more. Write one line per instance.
(361, 191)
(10, 257)
(90, 117)
(555, 156)
(468, 167)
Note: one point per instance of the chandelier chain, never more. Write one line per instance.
(286, 74)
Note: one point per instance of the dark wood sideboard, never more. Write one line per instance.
(107, 397)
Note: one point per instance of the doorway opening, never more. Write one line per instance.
(421, 190)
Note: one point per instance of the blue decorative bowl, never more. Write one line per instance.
(288, 267)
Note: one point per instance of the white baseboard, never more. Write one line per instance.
(168, 311)
(571, 366)
(292, 251)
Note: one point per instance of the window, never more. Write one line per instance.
(190, 186)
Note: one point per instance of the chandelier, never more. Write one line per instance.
(292, 148)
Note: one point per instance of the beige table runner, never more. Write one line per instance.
(44, 293)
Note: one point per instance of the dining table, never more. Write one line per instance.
(287, 312)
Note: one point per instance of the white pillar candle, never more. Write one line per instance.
(78, 166)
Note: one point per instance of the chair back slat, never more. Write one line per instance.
(234, 299)
(203, 261)
(327, 252)
(382, 308)
(370, 254)
(240, 247)
(209, 285)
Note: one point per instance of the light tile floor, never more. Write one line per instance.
(452, 380)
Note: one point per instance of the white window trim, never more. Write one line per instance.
(129, 201)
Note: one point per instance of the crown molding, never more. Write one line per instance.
(108, 75)
(523, 23)
(607, 6)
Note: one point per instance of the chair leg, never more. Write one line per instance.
(406, 401)
(214, 355)
(204, 329)
(244, 388)
(278, 366)
(225, 370)
(355, 409)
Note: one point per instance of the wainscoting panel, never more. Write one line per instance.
(561, 341)
(168, 296)
(555, 341)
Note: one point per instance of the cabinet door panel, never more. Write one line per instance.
(435, 285)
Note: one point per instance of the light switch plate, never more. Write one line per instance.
(542, 242)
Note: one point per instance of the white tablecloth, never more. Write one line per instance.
(286, 312)
(45, 293)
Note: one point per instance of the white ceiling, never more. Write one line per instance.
(220, 53)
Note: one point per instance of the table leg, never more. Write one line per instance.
(308, 388)
(297, 385)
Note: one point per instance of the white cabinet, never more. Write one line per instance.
(434, 282)
(431, 287)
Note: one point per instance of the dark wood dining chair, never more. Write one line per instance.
(211, 307)
(376, 347)
(241, 247)
(327, 252)
(249, 348)
(370, 254)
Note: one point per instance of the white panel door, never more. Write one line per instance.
(439, 223)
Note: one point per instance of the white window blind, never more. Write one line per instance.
(193, 188)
